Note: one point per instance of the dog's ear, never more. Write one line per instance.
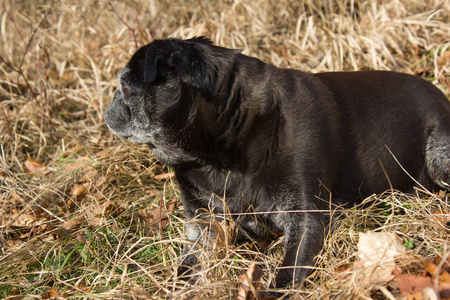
(196, 62)
(155, 59)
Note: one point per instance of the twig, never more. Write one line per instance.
(160, 218)
(38, 62)
(125, 23)
(6, 120)
(154, 29)
(90, 250)
(14, 23)
(20, 72)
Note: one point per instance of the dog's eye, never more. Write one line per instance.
(125, 88)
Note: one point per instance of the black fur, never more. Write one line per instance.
(272, 140)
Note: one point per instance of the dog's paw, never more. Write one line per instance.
(188, 268)
(188, 274)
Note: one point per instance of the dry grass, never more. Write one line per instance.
(83, 221)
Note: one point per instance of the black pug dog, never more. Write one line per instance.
(274, 142)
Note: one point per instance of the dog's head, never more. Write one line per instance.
(165, 90)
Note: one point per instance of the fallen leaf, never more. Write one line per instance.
(86, 289)
(78, 164)
(442, 217)
(51, 196)
(23, 220)
(79, 191)
(164, 176)
(379, 247)
(157, 215)
(69, 227)
(137, 294)
(416, 296)
(50, 294)
(32, 166)
(378, 250)
(444, 276)
(69, 152)
(250, 282)
(423, 71)
(89, 176)
(445, 263)
(95, 213)
(15, 199)
(410, 284)
(445, 59)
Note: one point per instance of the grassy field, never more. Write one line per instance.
(86, 215)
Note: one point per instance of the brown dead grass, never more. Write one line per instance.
(85, 215)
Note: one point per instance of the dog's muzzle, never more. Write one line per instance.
(117, 115)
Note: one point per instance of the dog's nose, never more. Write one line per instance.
(117, 113)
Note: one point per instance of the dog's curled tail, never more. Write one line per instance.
(438, 158)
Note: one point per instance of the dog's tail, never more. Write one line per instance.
(438, 158)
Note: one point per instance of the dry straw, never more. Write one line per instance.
(82, 212)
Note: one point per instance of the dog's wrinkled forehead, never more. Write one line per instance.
(195, 62)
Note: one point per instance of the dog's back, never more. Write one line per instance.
(387, 116)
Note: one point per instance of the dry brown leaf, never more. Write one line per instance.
(343, 268)
(89, 175)
(378, 250)
(423, 71)
(65, 205)
(444, 276)
(24, 220)
(86, 289)
(410, 284)
(379, 247)
(445, 59)
(15, 199)
(164, 176)
(50, 294)
(157, 215)
(137, 293)
(79, 191)
(25, 235)
(416, 296)
(69, 226)
(445, 263)
(40, 229)
(80, 163)
(95, 213)
(442, 217)
(71, 151)
(11, 244)
(250, 282)
(51, 196)
(32, 166)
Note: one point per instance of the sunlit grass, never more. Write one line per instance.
(95, 220)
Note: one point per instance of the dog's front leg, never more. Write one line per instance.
(203, 239)
(304, 233)
(189, 260)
